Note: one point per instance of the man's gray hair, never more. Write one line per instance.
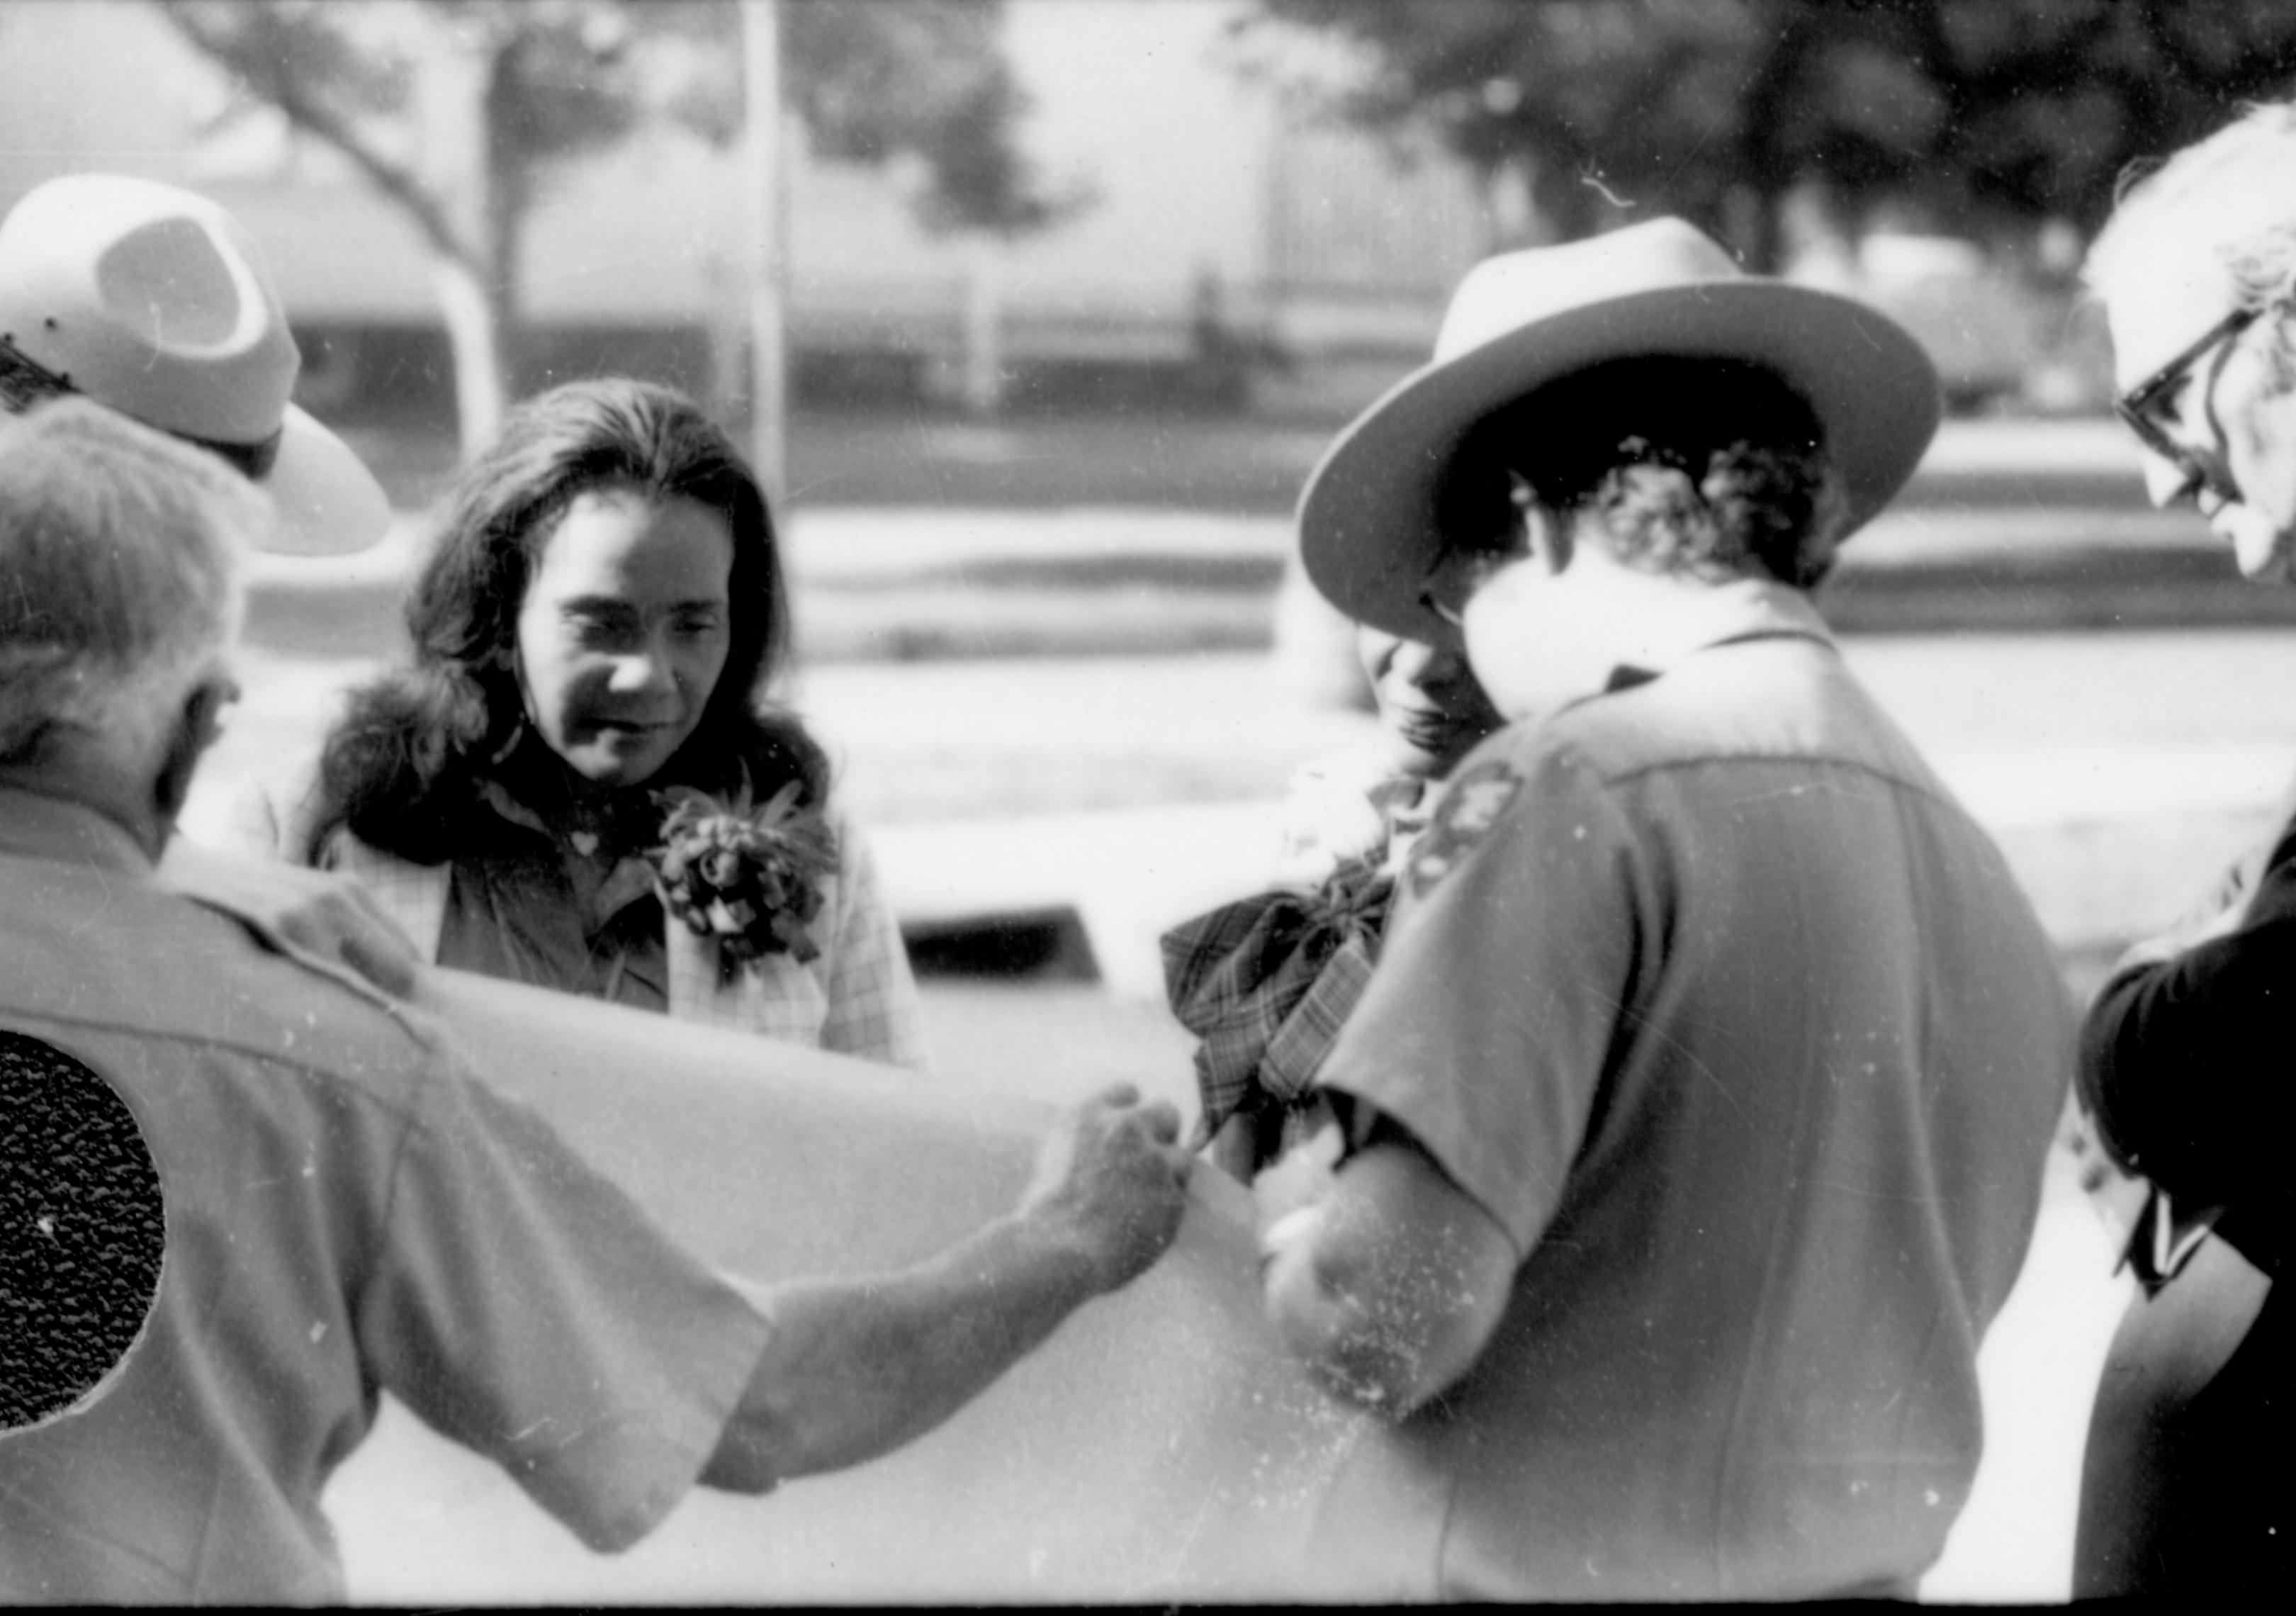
(2233, 194)
(119, 573)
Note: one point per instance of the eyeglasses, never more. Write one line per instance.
(25, 381)
(2135, 407)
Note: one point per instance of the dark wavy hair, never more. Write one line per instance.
(1699, 465)
(402, 769)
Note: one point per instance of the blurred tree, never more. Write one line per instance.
(461, 110)
(1715, 109)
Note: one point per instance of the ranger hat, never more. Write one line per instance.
(1369, 518)
(151, 299)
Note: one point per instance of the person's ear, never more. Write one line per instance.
(195, 729)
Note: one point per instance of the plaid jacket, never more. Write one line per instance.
(857, 998)
(1268, 982)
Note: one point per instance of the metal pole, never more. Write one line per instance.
(767, 262)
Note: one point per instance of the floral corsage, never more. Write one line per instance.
(749, 877)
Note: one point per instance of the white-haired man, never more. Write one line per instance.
(1700, 1098)
(152, 301)
(270, 1225)
(2185, 1057)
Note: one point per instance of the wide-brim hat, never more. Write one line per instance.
(152, 301)
(1370, 516)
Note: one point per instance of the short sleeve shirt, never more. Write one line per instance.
(346, 1212)
(1709, 993)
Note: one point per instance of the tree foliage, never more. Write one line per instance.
(1966, 109)
(923, 78)
(555, 80)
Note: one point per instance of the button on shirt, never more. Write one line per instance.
(1711, 995)
(346, 1212)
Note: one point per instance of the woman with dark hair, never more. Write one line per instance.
(578, 782)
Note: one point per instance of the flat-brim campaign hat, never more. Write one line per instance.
(1370, 517)
(152, 301)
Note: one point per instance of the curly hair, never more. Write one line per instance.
(402, 770)
(1710, 466)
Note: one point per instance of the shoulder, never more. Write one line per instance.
(1786, 699)
(276, 807)
(172, 971)
(1536, 799)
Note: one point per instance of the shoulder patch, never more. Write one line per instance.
(82, 1232)
(1470, 805)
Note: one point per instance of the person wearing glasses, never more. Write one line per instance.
(2184, 1055)
(1698, 1105)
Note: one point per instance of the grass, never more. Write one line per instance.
(1148, 456)
(1145, 458)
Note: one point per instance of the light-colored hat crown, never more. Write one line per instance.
(147, 299)
(1504, 293)
(152, 301)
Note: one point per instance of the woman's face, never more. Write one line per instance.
(1427, 697)
(623, 631)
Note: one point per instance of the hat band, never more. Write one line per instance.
(25, 381)
(253, 461)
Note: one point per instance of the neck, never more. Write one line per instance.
(1653, 620)
(568, 802)
(66, 772)
(1561, 639)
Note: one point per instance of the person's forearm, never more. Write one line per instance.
(855, 1369)
(1388, 1287)
(1327, 1319)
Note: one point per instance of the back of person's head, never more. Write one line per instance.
(2232, 196)
(119, 575)
(1712, 467)
(585, 436)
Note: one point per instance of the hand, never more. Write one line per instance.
(1113, 1179)
(315, 912)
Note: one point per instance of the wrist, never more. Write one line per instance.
(1058, 1254)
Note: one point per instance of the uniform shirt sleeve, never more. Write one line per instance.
(2184, 1061)
(1486, 1024)
(524, 1307)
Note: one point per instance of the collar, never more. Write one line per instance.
(524, 786)
(1719, 614)
(35, 825)
(1722, 614)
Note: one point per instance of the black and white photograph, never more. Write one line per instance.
(1146, 802)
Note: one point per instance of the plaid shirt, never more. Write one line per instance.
(1267, 983)
(857, 998)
